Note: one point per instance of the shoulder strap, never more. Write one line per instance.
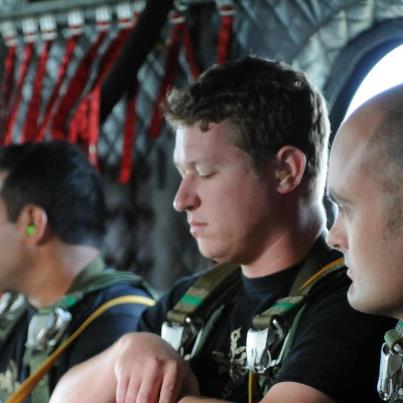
(96, 277)
(190, 318)
(214, 285)
(271, 331)
(26, 387)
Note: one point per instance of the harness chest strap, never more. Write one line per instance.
(26, 387)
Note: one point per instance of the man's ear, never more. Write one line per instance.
(33, 224)
(290, 168)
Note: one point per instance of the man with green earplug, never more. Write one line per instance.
(53, 279)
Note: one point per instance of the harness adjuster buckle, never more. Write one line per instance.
(390, 381)
(179, 336)
(46, 328)
(259, 344)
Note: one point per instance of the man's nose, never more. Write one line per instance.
(336, 237)
(186, 197)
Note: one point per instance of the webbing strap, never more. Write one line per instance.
(226, 10)
(15, 102)
(394, 336)
(31, 120)
(126, 164)
(288, 305)
(214, 283)
(67, 57)
(178, 22)
(26, 387)
(7, 82)
(190, 53)
(75, 87)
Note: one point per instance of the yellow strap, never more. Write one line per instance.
(26, 387)
(332, 265)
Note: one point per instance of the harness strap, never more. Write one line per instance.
(288, 305)
(26, 387)
(197, 300)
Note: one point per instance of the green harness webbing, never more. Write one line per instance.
(94, 277)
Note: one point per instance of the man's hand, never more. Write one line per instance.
(149, 370)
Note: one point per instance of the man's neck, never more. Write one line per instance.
(290, 245)
(55, 271)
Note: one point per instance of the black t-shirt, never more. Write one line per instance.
(335, 350)
(99, 335)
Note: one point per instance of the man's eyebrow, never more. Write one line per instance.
(337, 198)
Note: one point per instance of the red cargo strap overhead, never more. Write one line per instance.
(126, 165)
(7, 82)
(48, 34)
(92, 127)
(30, 34)
(75, 23)
(177, 19)
(80, 78)
(227, 11)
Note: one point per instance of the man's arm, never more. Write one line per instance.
(140, 367)
(91, 381)
(284, 392)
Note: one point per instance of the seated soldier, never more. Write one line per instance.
(365, 180)
(52, 222)
(251, 149)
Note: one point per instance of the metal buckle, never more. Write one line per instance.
(179, 336)
(258, 344)
(9, 304)
(390, 381)
(46, 328)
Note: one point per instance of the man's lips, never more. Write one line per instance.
(196, 227)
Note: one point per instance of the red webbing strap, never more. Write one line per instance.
(190, 53)
(71, 44)
(94, 106)
(94, 97)
(126, 165)
(79, 124)
(75, 87)
(15, 102)
(178, 22)
(31, 120)
(226, 10)
(7, 81)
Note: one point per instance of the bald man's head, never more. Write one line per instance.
(366, 181)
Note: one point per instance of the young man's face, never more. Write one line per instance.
(229, 207)
(363, 228)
